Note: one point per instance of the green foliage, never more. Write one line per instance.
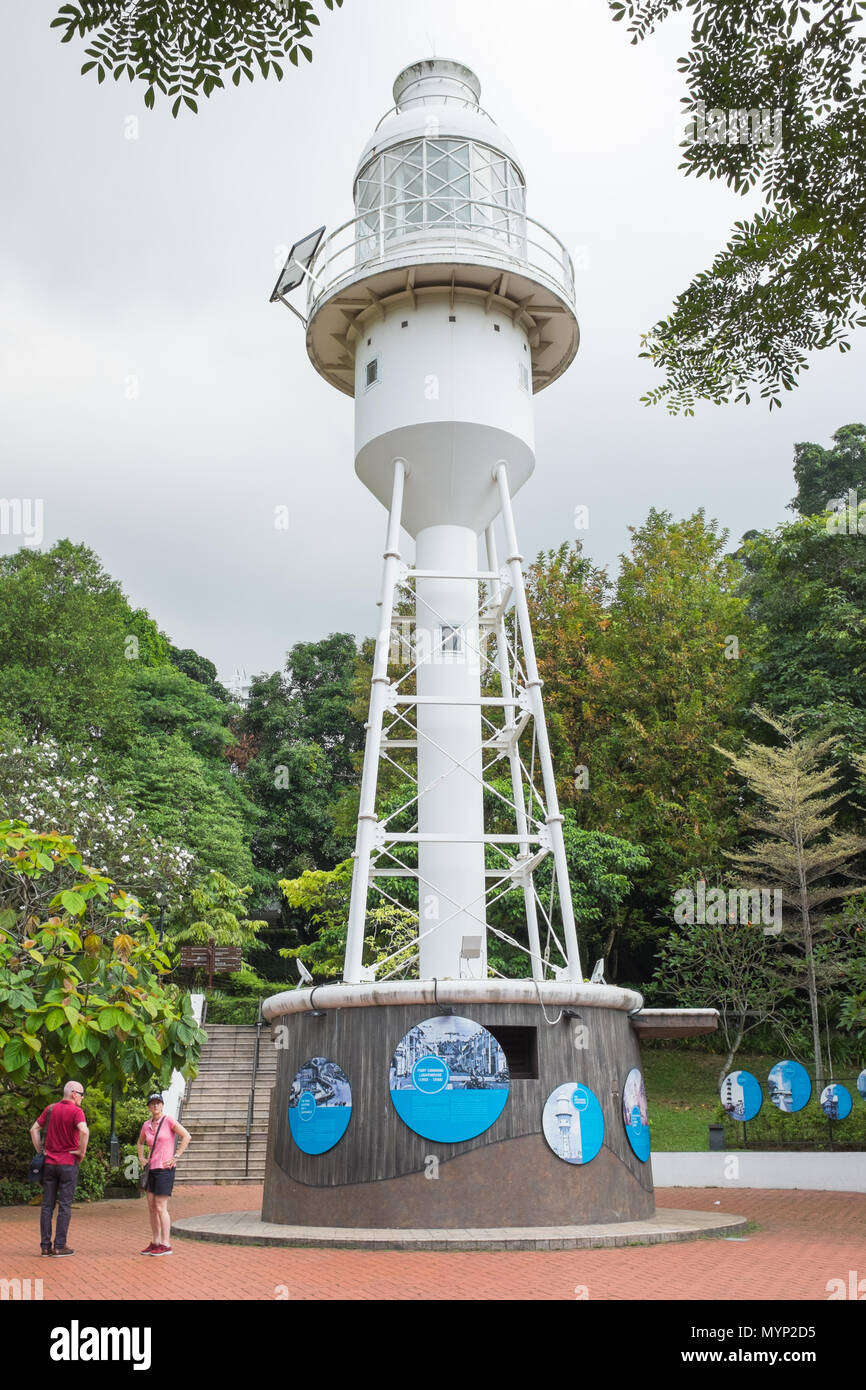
(186, 48)
(92, 1178)
(302, 739)
(81, 987)
(198, 668)
(15, 1192)
(63, 630)
(216, 909)
(189, 800)
(792, 278)
(55, 786)
(823, 475)
(805, 587)
(239, 1002)
(324, 897)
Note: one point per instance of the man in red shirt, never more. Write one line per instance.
(60, 1133)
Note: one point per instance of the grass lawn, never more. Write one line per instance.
(682, 1088)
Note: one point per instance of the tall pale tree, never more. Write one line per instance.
(796, 846)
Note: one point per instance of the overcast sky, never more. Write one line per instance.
(148, 262)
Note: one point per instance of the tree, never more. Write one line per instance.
(805, 587)
(677, 654)
(824, 475)
(217, 908)
(732, 967)
(191, 801)
(184, 48)
(302, 742)
(776, 96)
(63, 629)
(797, 849)
(322, 896)
(82, 977)
(58, 788)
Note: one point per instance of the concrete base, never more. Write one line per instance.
(243, 1228)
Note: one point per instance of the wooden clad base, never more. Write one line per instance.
(383, 1175)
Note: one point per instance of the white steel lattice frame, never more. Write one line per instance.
(535, 812)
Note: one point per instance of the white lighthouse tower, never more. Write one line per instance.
(442, 308)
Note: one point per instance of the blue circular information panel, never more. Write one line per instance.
(836, 1101)
(741, 1095)
(634, 1114)
(449, 1079)
(320, 1106)
(573, 1123)
(789, 1085)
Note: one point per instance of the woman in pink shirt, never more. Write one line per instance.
(158, 1135)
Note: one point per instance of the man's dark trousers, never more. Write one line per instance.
(58, 1186)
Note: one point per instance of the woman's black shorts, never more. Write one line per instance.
(160, 1181)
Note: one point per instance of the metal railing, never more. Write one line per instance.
(252, 1098)
(452, 227)
(437, 99)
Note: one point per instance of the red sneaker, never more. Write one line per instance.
(149, 1249)
(162, 1250)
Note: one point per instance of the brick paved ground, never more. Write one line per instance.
(805, 1239)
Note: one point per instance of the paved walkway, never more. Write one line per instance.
(804, 1240)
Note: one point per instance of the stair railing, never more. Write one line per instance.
(252, 1100)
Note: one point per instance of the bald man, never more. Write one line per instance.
(60, 1133)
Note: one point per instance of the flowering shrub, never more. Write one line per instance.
(59, 789)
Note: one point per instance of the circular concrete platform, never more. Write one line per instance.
(245, 1228)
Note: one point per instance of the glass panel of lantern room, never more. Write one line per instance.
(368, 202)
(449, 185)
(403, 188)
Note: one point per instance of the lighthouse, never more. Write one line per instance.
(442, 308)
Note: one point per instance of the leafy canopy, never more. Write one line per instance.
(82, 987)
(792, 278)
(185, 48)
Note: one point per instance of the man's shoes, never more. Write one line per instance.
(162, 1250)
(47, 1250)
(63, 1250)
(149, 1250)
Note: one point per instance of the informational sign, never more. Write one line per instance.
(216, 960)
(449, 1079)
(789, 1086)
(836, 1101)
(573, 1123)
(861, 1085)
(634, 1114)
(320, 1106)
(741, 1095)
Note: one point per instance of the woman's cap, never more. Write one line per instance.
(154, 1095)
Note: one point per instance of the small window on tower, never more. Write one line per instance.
(523, 375)
(496, 328)
(450, 641)
(372, 371)
(452, 318)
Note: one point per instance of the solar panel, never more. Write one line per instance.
(297, 264)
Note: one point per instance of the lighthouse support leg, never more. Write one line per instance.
(514, 764)
(378, 697)
(514, 561)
